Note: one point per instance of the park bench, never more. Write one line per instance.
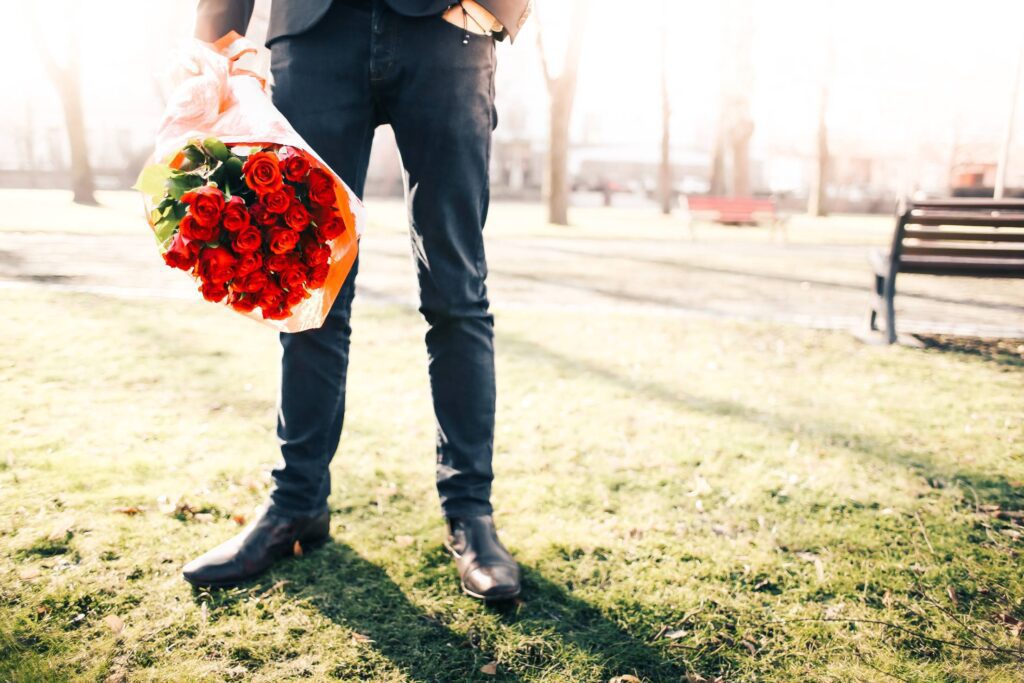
(730, 210)
(960, 237)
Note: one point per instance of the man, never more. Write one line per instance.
(426, 67)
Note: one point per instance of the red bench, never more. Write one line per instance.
(730, 210)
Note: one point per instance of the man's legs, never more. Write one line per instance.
(439, 98)
(323, 89)
(321, 86)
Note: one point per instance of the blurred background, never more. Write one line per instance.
(899, 97)
(614, 122)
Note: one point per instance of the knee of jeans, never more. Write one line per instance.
(467, 306)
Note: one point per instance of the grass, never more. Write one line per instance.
(687, 498)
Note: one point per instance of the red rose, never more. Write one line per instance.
(206, 204)
(321, 187)
(247, 240)
(191, 229)
(315, 253)
(262, 217)
(277, 201)
(318, 276)
(293, 278)
(279, 313)
(296, 296)
(278, 263)
(328, 226)
(252, 283)
(297, 217)
(271, 296)
(281, 240)
(294, 167)
(241, 302)
(216, 265)
(248, 262)
(236, 215)
(261, 173)
(214, 291)
(182, 253)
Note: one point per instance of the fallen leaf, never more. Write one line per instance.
(297, 549)
(129, 510)
(114, 623)
(694, 677)
(490, 668)
(42, 611)
(676, 634)
(404, 541)
(29, 573)
(951, 592)
(360, 638)
(1015, 625)
(626, 678)
(750, 647)
(238, 519)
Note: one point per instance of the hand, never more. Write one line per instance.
(475, 19)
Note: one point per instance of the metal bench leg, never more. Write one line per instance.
(873, 318)
(890, 308)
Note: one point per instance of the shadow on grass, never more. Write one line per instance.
(775, 277)
(985, 486)
(1009, 352)
(549, 630)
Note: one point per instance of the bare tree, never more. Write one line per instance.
(65, 78)
(819, 181)
(562, 92)
(665, 175)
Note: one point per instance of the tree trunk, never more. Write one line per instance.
(740, 141)
(81, 172)
(65, 80)
(665, 174)
(562, 92)
(819, 181)
(558, 159)
(716, 186)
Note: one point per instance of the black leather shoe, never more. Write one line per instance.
(266, 540)
(486, 568)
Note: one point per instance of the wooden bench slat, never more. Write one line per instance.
(972, 252)
(1014, 220)
(965, 236)
(968, 203)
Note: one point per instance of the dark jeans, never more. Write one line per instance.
(361, 66)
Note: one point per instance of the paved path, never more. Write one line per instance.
(816, 285)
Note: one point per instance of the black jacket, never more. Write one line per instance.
(290, 17)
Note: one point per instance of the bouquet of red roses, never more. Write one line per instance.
(265, 227)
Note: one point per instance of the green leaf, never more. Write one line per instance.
(180, 183)
(164, 230)
(233, 169)
(152, 181)
(194, 158)
(216, 148)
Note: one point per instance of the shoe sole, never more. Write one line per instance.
(306, 547)
(478, 596)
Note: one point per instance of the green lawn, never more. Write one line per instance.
(686, 498)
